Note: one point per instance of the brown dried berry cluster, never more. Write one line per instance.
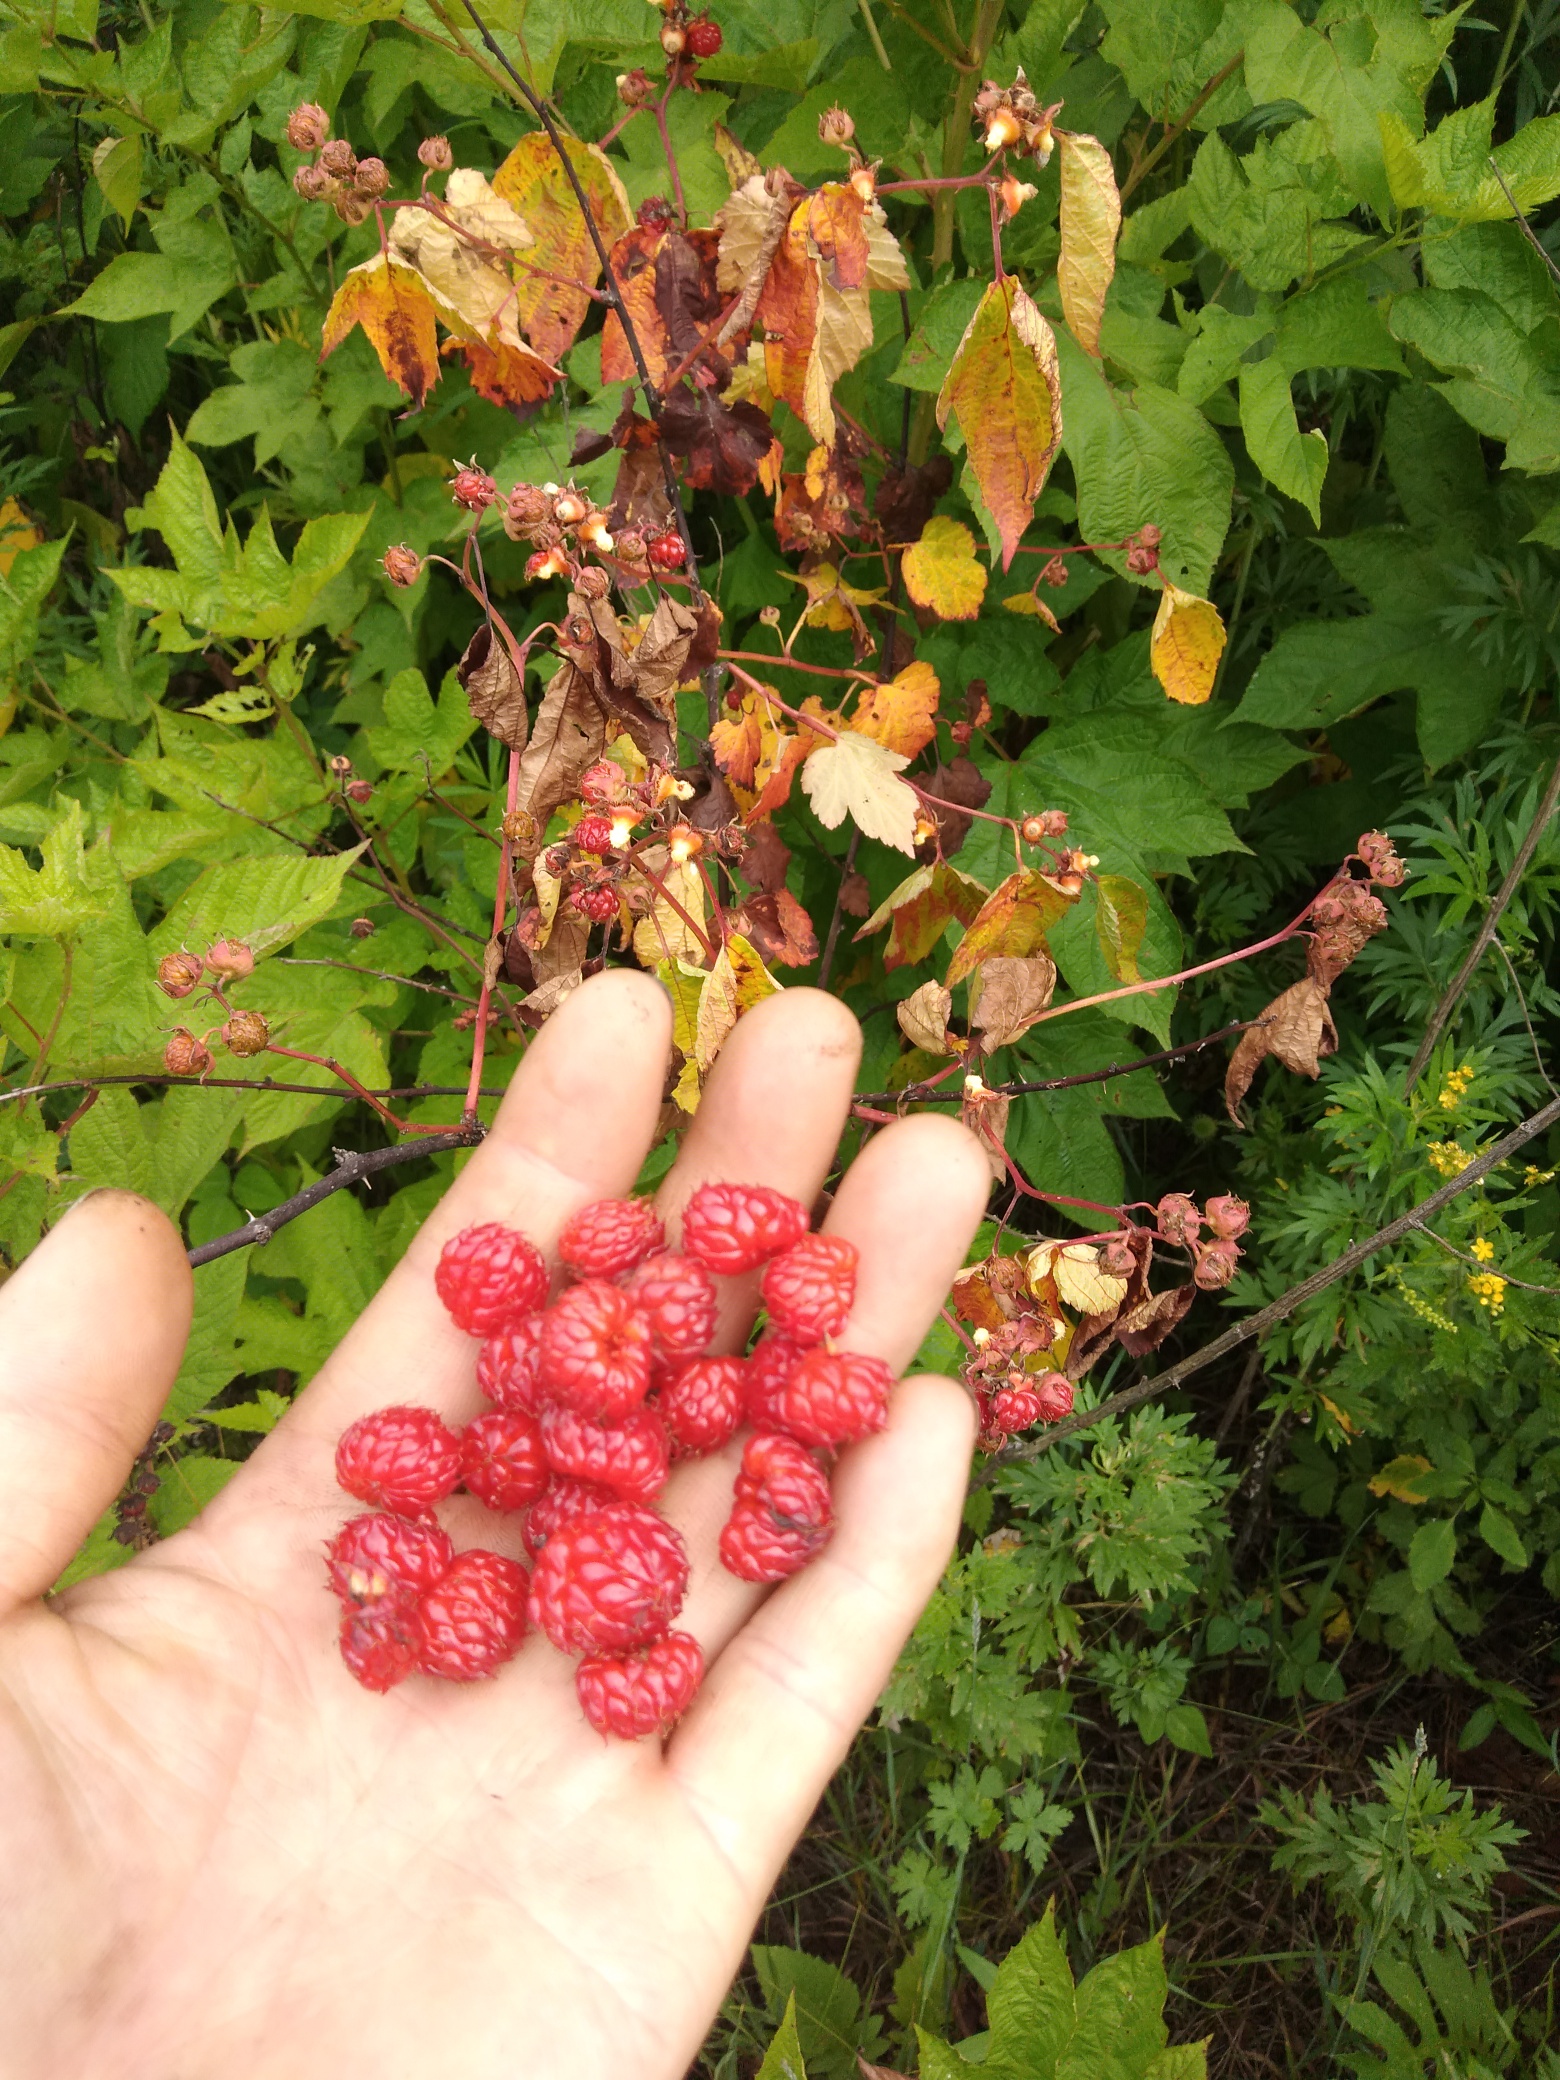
(1010, 119)
(179, 975)
(335, 174)
(565, 527)
(595, 1392)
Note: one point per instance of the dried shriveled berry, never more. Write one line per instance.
(609, 1582)
(474, 1621)
(503, 1460)
(736, 1227)
(490, 1277)
(630, 1695)
(403, 1459)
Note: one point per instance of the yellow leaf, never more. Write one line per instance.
(738, 161)
(1345, 1423)
(1186, 645)
(665, 934)
(1013, 922)
(392, 304)
(685, 1092)
(17, 533)
(902, 713)
(836, 605)
(549, 308)
(923, 1019)
(1074, 1269)
(941, 571)
(683, 982)
(856, 776)
(1090, 220)
(1400, 1478)
(1005, 390)
(1031, 603)
(737, 982)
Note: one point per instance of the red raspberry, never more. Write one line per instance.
(489, 1277)
(612, 1236)
(647, 1692)
(809, 1291)
(381, 1641)
(631, 1458)
(1014, 1408)
(701, 1405)
(676, 1298)
(596, 1351)
(1054, 1392)
(475, 1620)
(833, 1397)
(785, 1477)
(600, 905)
(667, 552)
(769, 1367)
(754, 1547)
(610, 1581)
(603, 784)
(594, 834)
(401, 1459)
(502, 1460)
(562, 1502)
(735, 1227)
(379, 1555)
(704, 38)
(509, 1367)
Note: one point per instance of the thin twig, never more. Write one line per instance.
(919, 1093)
(1145, 167)
(1487, 930)
(829, 944)
(1286, 1303)
(1523, 225)
(350, 1166)
(433, 989)
(1485, 1270)
(262, 1084)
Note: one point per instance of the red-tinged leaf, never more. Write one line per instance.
(920, 910)
(737, 741)
(722, 444)
(901, 713)
(1090, 220)
(396, 311)
(1013, 920)
(974, 1301)
(779, 927)
(1120, 919)
(835, 220)
(633, 265)
(685, 293)
(787, 314)
(505, 375)
(1005, 390)
(533, 182)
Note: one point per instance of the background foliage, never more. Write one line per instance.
(1329, 372)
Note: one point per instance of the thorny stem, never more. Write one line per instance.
(847, 869)
(671, 156)
(263, 1084)
(358, 1090)
(918, 1093)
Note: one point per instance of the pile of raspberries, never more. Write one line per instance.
(595, 1395)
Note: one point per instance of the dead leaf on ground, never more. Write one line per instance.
(1296, 1029)
(493, 688)
(1009, 994)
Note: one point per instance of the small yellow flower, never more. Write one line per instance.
(1483, 1250)
(1454, 1089)
(1488, 1289)
(1448, 1157)
(1532, 1175)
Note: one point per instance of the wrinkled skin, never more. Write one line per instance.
(222, 1860)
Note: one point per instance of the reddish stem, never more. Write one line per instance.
(500, 911)
(358, 1090)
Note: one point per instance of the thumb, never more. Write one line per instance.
(92, 1329)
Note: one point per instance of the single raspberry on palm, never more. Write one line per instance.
(381, 1641)
(509, 1367)
(736, 1227)
(609, 1582)
(610, 1237)
(561, 1502)
(834, 1397)
(644, 1692)
(503, 1461)
(474, 1621)
(810, 1290)
(402, 1459)
(769, 1367)
(701, 1405)
(596, 1348)
(489, 1277)
(631, 1457)
(756, 1547)
(676, 1299)
(785, 1477)
(380, 1555)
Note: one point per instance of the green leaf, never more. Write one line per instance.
(1272, 214)
(1186, 1728)
(1295, 462)
(825, 2004)
(139, 285)
(783, 2060)
(787, 66)
(188, 1484)
(271, 401)
(1431, 1551)
(1335, 325)
(118, 173)
(1120, 918)
(1502, 1536)
(264, 901)
(1505, 383)
(109, 1146)
(1220, 344)
(68, 891)
(1032, 2007)
(419, 737)
(934, 338)
(210, 1360)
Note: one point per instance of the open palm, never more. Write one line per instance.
(219, 1857)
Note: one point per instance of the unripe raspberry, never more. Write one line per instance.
(809, 1290)
(701, 1405)
(596, 1351)
(245, 1033)
(645, 1692)
(1227, 1216)
(598, 904)
(340, 766)
(610, 1236)
(1216, 1262)
(672, 39)
(631, 1457)
(631, 548)
(401, 565)
(381, 1555)
(359, 791)
(1054, 1391)
(503, 1460)
(184, 1055)
(435, 154)
(637, 89)
(592, 583)
(231, 959)
(313, 183)
(403, 1459)
(307, 127)
(380, 1641)
(569, 509)
(338, 158)
(836, 127)
(490, 1278)
(675, 1298)
(474, 1621)
(593, 834)
(509, 1367)
(372, 179)
(547, 563)
(704, 37)
(666, 552)
(473, 488)
(654, 213)
(1179, 1220)
(610, 1581)
(863, 181)
(834, 1397)
(603, 784)
(683, 844)
(735, 1227)
(1003, 130)
(562, 1502)
(178, 974)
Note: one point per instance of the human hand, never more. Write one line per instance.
(220, 1859)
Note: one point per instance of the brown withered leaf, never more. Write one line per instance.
(766, 859)
(986, 1117)
(1296, 1029)
(1143, 1327)
(661, 658)
(906, 498)
(493, 688)
(1011, 995)
(960, 781)
(570, 733)
(540, 1004)
(564, 952)
(639, 497)
(855, 895)
(780, 928)
(975, 1302)
(686, 297)
(722, 444)
(714, 806)
(923, 1018)
(872, 2072)
(633, 687)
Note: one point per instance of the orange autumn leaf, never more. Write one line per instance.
(835, 221)
(396, 311)
(901, 713)
(533, 182)
(17, 532)
(1005, 389)
(1012, 921)
(1186, 645)
(786, 318)
(1090, 221)
(633, 265)
(920, 910)
(941, 571)
(737, 741)
(503, 374)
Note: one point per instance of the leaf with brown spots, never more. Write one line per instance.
(533, 182)
(503, 374)
(394, 308)
(1143, 1328)
(779, 927)
(1013, 920)
(923, 1018)
(836, 228)
(1296, 1029)
(633, 267)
